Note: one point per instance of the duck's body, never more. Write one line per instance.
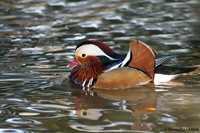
(100, 67)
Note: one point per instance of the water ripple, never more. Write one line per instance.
(21, 121)
(41, 109)
(4, 112)
(10, 130)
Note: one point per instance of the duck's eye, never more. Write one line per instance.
(83, 55)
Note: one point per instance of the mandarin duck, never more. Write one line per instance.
(98, 66)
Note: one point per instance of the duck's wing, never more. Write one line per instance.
(142, 57)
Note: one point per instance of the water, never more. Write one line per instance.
(37, 41)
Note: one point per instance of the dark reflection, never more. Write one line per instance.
(98, 105)
(88, 100)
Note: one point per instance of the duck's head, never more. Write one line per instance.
(92, 50)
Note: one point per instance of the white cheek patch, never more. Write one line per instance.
(90, 49)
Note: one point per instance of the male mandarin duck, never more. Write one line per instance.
(98, 66)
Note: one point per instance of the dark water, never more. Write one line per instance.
(37, 41)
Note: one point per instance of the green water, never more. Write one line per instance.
(37, 41)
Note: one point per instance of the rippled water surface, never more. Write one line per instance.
(37, 41)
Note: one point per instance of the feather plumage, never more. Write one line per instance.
(162, 59)
(105, 48)
(142, 58)
(91, 68)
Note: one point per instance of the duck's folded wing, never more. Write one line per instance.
(142, 57)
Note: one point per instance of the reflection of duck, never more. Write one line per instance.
(100, 67)
(89, 101)
(90, 107)
(138, 101)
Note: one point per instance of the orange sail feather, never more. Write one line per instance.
(143, 57)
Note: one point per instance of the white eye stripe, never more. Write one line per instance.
(90, 49)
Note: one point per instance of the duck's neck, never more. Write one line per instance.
(92, 68)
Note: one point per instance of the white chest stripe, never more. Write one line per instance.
(123, 63)
(127, 58)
